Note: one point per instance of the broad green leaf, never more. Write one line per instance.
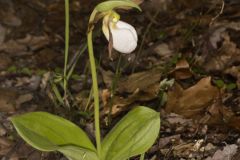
(76, 153)
(112, 4)
(48, 132)
(133, 135)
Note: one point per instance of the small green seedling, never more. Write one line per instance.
(131, 136)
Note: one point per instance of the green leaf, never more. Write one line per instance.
(76, 153)
(219, 83)
(12, 69)
(231, 86)
(133, 135)
(112, 4)
(48, 132)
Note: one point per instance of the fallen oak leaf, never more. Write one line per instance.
(120, 103)
(182, 70)
(140, 80)
(105, 96)
(225, 154)
(191, 102)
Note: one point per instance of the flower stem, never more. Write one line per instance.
(65, 80)
(95, 92)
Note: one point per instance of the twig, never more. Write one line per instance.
(221, 11)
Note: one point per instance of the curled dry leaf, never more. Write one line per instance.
(213, 114)
(182, 70)
(221, 50)
(120, 103)
(231, 119)
(107, 77)
(105, 95)
(202, 101)
(141, 86)
(228, 55)
(218, 114)
(140, 81)
(183, 149)
(193, 101)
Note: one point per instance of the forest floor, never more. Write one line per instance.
(186, 66)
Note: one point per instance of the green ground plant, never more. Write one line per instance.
(133, 135)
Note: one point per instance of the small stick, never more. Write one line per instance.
(221, 11)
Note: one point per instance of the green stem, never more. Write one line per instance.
(142, 156)
(95, 84)
(66, 46)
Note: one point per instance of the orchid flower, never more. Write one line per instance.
(122, 35)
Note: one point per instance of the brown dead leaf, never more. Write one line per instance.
(3, 131)
(230, 118)
(186, 149)
(107, 76)
(173, 119)
(166, 140)
(191, 102)
(183, 149)
(228, 55)
(5, 145)
(221, 50)
(34, 42)
(23, 99)
(7, 100)
(140, 87)
(163, 50)
(82, 100)
(218, 114)
(46, 56)
(120, 104)
(139, 81)
(213, 115)
(106, 94)
(182, 70)
(225, 154)
(11, 100)
(22, 46)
